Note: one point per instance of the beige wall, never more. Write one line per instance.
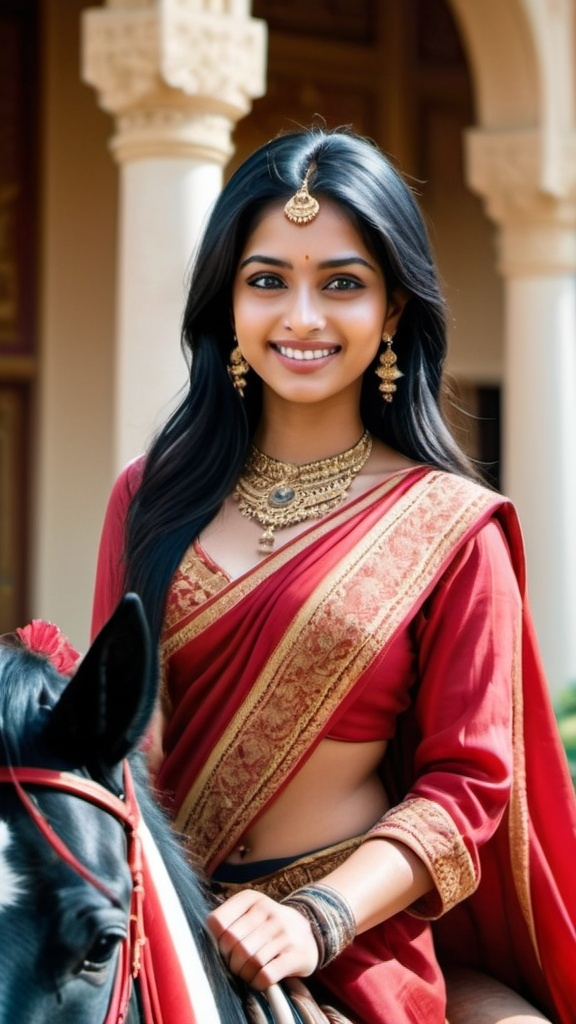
(77, 279)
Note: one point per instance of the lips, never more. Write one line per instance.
(305, 354)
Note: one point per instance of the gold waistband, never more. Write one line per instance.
(301, 871)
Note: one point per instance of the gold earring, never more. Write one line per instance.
(237, 369)
(387, 370)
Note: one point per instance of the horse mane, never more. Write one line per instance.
(29, 688)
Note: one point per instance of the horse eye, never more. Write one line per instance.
(101, 951)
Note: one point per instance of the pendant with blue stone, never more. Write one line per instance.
(281, 496)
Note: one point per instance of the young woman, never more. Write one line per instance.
(354, 733)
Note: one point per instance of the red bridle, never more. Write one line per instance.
(134, 952)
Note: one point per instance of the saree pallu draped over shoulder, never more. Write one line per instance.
(258, 672)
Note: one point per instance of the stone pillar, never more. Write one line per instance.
(177, 75)
(537, 258)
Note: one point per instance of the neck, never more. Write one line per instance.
(305, 433)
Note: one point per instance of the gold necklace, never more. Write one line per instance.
(280, 494)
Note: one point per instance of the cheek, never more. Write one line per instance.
(367, 320)
(242, 319)
(240, 304)
(252, 314)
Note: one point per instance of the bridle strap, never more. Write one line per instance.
(87, 789)
(127, 813)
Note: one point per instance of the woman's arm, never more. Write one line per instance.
(263, 941)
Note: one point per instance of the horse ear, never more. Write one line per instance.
(104, 710)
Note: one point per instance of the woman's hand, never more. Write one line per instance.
(262, 941)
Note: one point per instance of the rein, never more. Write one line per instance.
(133, 960)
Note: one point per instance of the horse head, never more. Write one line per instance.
(61, 931)
(73, 841)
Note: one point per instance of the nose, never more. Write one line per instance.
(304, 314)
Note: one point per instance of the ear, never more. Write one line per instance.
(106, 707)
(394, 309)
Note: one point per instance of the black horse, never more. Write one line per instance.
(69, 923)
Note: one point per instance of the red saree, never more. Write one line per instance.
(259, 670)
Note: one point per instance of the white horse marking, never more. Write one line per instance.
(185, 947)
(11, 886)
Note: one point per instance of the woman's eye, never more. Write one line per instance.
(266, 281)
(344, 284)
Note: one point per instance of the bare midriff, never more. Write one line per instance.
(337, 794)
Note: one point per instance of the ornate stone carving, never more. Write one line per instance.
(205, 54)
(172, 132)
(177, 73)
(121, 55)
(538, 225)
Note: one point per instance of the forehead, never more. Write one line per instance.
(332, 232)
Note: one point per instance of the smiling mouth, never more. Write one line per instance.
(304, 355)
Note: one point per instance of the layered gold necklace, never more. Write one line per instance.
(279, 494)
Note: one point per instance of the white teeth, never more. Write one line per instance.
(300, 354)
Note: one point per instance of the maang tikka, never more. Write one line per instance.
(237, 369)
(302, 207)
(387, 370)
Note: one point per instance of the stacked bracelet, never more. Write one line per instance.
(330, 918)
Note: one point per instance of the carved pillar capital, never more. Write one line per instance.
(176, 74)
(537, 224)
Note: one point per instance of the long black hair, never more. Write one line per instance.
(195, 460)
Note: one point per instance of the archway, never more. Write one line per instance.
(520, 159)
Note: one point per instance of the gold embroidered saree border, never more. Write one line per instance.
(306, 869)
(429, 831)
(193, 584)
(413, 539)
(518, 808)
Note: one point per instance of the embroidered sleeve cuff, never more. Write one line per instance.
(428, 830)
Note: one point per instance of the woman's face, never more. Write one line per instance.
(310, 305)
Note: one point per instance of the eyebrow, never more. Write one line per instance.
(332, 264)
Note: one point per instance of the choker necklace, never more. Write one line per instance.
(280, 494)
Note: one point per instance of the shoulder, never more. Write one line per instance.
(448, 501)
(128, 481)
(456, 485)
(120, 497)
(492, 532)
(131, 476)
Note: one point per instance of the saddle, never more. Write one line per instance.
(289, 1002)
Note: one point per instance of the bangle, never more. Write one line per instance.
(329, 916)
